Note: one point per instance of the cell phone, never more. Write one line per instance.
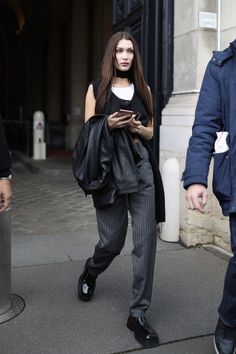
(125, 112)
(138, 115)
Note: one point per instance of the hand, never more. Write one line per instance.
(5, 194)
(196, 197)
(115, 122)
(135, 125)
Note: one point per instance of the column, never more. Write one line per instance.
(79, 70)
(54, 72)
(193, 46)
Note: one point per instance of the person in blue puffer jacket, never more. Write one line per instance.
(214, 134)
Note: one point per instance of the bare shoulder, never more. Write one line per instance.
(90, 91)
(89, 103)
(90, 94)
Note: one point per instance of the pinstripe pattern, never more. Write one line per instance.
(112, 226)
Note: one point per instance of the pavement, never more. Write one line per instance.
(53, 233)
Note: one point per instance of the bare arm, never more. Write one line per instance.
(89, 103)
(5, 194)
(196, 197)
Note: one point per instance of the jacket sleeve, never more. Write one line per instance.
(208, 120)
(5, 161)
(93, 155)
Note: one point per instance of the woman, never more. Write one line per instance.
(122, 86)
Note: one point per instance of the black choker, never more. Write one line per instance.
(123, 74)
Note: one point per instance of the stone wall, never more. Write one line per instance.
(193, 48)
(228, 22)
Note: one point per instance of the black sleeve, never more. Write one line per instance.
(5, 161)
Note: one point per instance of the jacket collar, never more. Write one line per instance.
(233, 46)
(219, 57)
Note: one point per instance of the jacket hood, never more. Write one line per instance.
(219, 57)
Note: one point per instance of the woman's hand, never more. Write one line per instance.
(135, 126)
(115, 122)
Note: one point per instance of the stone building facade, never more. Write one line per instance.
(193, 46)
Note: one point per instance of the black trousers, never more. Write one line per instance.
(227, 309)
(112, 227)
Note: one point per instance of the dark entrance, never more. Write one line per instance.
(151, 23)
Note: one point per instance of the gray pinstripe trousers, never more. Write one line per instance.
(112, 227)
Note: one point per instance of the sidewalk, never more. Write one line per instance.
(53, 233)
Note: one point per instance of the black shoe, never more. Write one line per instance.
(143, 333)
(86, 285)
(225, 338)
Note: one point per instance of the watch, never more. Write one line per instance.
(8, 177)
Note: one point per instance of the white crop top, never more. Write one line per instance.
(125, 93)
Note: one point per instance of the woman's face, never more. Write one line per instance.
(124, 54)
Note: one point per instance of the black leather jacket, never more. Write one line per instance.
(5, 162)
(104, 164)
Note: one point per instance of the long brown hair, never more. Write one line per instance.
(108, 69)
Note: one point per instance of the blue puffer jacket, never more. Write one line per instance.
(216, 111)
